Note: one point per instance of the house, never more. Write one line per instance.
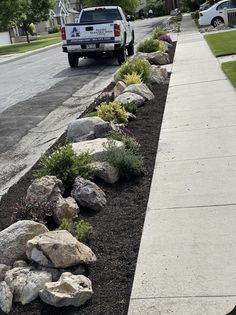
(62, 13)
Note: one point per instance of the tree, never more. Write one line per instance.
(24, 12)
(129, 6)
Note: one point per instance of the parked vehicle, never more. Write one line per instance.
(100, 30)
(215, 14)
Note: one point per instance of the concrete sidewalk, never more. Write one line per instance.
(187, 258)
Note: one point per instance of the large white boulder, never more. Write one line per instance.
(6, 297)
(83, 128)
(140, 89)
(13, 240)
(26, 283)
(95, 147)
(128, 98)
(58, 249)
(68, 290)
(88, 194)
(158, 75)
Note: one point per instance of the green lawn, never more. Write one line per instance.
(24, 47)
(47, 36)
(229, 69)
(222, 44)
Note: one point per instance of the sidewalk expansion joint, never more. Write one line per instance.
(198, 82)
(182, 297)
(197, 159)
(194, 207)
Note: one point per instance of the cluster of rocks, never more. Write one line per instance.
(220, 27)
(171, 26)
(52, 256)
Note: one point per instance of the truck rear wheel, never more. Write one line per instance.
(121, 55)
(73, 60)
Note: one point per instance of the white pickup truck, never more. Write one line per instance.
(99, 30)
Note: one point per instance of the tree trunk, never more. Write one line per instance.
(26, 32)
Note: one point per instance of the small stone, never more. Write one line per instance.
(129, 98)
(88, 194)
(71, 289)
(119, 88)
(106, 172)
(19, 263)
(3, 269)
(65, 208)
(6, 297)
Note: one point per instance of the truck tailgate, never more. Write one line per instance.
(90, 33)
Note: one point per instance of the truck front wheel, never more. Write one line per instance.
(121, 55)
(73, 60)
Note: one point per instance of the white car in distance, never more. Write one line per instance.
(215, 14)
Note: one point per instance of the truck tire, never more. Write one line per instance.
(130, 48)
(121, 55)
(73, 60)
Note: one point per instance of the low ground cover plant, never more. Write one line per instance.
(130, 107)
(149, 45)
(130, 164)
(158, 31)
(38, 212)
(66, 165)
(130, 143)
(165, 38)
(140, 66)
(112, 111)
(79, 229)
(133, 78)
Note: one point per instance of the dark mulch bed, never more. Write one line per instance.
(117, 229)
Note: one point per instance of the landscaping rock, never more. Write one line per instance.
(131, 116)
(95, 147)
(88, 194)
(58, 249)
(3, 269)
(159, 58)
(158, 75)
(65, 208)
(26, 283)
(140, 89)
(83, 129)
(141, 55)
(6, 297)
(44, 189)
(119, 88)
(20, 263)
(128, 97)
(101, 130)
(14, 238)
(57, 272)
(69, 290)
(106, 172)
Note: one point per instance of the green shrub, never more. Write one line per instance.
(112, 111)
(132, 78)
(128, 163)
(140, 66)
(162, 46)
(66, 165)
(130, 107)
(79, 229)
(148, 46)
(130, 143)
(91, 114)
(158, 32)
(56, 29)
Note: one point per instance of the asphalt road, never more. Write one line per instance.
(33, 107)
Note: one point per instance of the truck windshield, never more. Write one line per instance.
(100, 15)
